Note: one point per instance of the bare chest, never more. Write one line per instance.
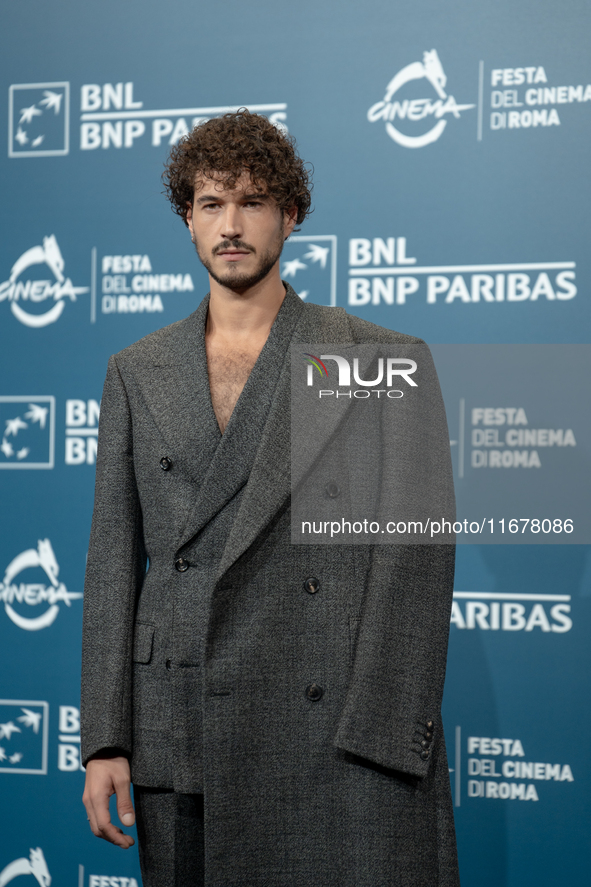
(228, 373)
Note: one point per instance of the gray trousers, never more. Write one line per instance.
(170, 837)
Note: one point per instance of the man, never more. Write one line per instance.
(276, 706)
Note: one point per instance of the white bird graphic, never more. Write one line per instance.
(318, 254)
(27, 114)
(2, 754)
(7, 448)
(21, 137)
(37, 414)
(6, 730)
(52, 100)
(290, 268)
(16, 757)
(304, 294)
(14, 425)
(23, 453)
(30, 719)
(36, 142)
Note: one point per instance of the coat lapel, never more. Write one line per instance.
(232, 462)
(270, 480)
(175, 387)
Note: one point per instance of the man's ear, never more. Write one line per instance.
(290, 220)
(190, 220)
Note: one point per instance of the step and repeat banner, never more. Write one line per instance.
(450, 153)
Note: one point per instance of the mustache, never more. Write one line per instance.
(233, 244)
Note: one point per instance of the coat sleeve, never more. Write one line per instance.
(392, 712)
(115, 569)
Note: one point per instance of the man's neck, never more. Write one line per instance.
(244, 316)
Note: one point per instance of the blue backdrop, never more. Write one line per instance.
(450, 147)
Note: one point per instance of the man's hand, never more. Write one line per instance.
(105, 777)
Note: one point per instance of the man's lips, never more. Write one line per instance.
(233, 255)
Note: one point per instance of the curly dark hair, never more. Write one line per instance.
(225, 147)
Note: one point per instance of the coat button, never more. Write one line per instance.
(314, 692)
(332, 490)
(430, 725)
(425, 744)
(429, 736)
(424, 755)
(181, 565)
(168, 664)
(165, 463)
(311, 585)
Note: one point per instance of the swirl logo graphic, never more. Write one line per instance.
(19, 288)
(35, 593)
(393, 107)
(35, 865)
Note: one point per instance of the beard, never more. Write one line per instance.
(234, 278)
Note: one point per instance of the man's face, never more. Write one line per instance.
(238, 233)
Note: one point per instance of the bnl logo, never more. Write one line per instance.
(39, 119)
(310, 265)
(82, 417)
(23, 736)
(27, 431)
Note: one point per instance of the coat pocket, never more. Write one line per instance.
(143, 639)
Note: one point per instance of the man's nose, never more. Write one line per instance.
(231, 222)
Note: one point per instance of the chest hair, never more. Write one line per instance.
(228, 373)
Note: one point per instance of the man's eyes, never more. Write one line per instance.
(210, 206)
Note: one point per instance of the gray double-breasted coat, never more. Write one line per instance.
(308, 713)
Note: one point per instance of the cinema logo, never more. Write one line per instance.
(508, 776)
(507, 611)
(33, 865)
(387, 371)
(18, 596)
(129, 285)
(397, 106)
(530, 101)
(501, 443)
(29, 286)
(498, 769)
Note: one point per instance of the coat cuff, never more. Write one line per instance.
(104, 753)
(96, 748)
(409, 753)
